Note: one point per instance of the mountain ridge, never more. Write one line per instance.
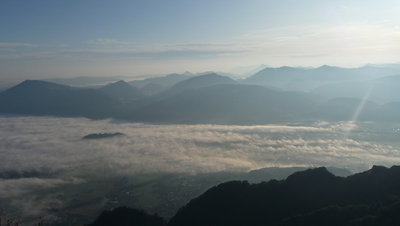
(274, 202)
(122, 91)
(310, 197)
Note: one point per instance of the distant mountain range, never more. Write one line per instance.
(310, 197)
(201, 81)
(272, 95)
(380, 90)
(167, 81)
(153, 86)
(307, 79)
(228, 103)
(33, 97)
(84, 81)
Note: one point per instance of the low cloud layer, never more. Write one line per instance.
(40, 153)
(55, 144)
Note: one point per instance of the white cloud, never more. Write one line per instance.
(110, 49)
(55, 144)
(286, 42)
(55, 150)
(345, 45)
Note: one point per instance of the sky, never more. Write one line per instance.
(54, 38)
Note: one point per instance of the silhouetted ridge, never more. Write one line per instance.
(311, 197)
(123, 216)
(165, 81)
(212, 98)
(316, 175)
(307, 79)
(119, 84)
(122, 91)
(38, 84)
(327, 67)
(205, 80)
(201, 81)
(35, 97)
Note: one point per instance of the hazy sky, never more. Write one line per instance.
(54, 38)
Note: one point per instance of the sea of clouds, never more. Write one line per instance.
(54, 146)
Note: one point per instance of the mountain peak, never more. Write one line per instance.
(212, 76)
(315, 174)
(204, 80)
(117, 86)
(378, 169)
(121, 90)
(326, 67)
(38, 84)
(33, 82)
(119, 83)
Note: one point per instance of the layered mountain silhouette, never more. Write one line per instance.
(34, 97)
(306, 79)
(345, 94)
(230, 103)
(152, 89)
(201, 81)
(310, 197)
(167, 81)
(84, 81)
(122, 91)
(156, 85)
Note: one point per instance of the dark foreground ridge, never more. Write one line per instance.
(123, 216)
(311, 197)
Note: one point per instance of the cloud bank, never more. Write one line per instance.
(55, 144)
(42, 154)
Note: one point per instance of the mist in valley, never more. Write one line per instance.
(46, 161)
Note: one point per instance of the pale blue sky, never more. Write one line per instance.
(54, 38)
